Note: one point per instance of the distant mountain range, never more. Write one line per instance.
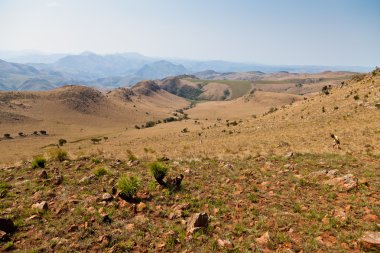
(33, 71)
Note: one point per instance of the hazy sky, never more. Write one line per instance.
(324, 32)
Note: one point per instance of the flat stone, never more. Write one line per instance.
(344, 183)
(370, 240)
(42, 206)
(107, 197)
(264, 239)
(225, 244)
(88, 179)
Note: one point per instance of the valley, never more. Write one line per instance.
(261, 166)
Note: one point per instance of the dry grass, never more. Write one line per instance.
(235, 172)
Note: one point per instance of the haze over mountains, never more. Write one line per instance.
(36, 71)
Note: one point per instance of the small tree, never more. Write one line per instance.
(61, 142)
(159, 171)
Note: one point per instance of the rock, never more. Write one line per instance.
(177, 211)
(229, 166)
(370, 240)
(141, 207)
(317, 174)
(225, 244)
(132, 163)
(33, 217)
(106, 218)
(107, 197)
(289, 166)
(340, 214)
(58, 180)
(42, 206)
(264, 239)
(288, 155)
(3, 236)
(73, 228)
(344, 183)
(88, 179)
(197, 221)
(370, 217)
(43, 174)
(7, 225)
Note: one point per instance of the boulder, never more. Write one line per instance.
(343, 183)
(370, 240)
(197, 221)
(43, 174)
(7, 225)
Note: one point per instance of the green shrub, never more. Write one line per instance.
(150, 124)
(159, 171)
(128, 185)
(356, 97)
(99, 172)
(58, 154)
(8, 246)
(61, 142)
(38, 162)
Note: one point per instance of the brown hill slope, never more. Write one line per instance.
(75, 113)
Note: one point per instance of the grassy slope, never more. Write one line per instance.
(261, 192)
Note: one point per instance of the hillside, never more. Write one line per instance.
(259, 173)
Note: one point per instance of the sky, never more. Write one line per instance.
(279, 32)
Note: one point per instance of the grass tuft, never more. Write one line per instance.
(38, 162)
(128, 185)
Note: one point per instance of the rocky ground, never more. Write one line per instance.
(291, 203)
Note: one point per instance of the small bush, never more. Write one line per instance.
(131, 156)
(99, 172)
(38, 162)
(61, 142)
(159, 171)
(58, 154)
(8, 246)
(128, 185)
(43, 132)
(356, 97)
(150, 124)
(170, 119)
(137, 127)
(95, 140)
(21, 134)
(7, 136)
